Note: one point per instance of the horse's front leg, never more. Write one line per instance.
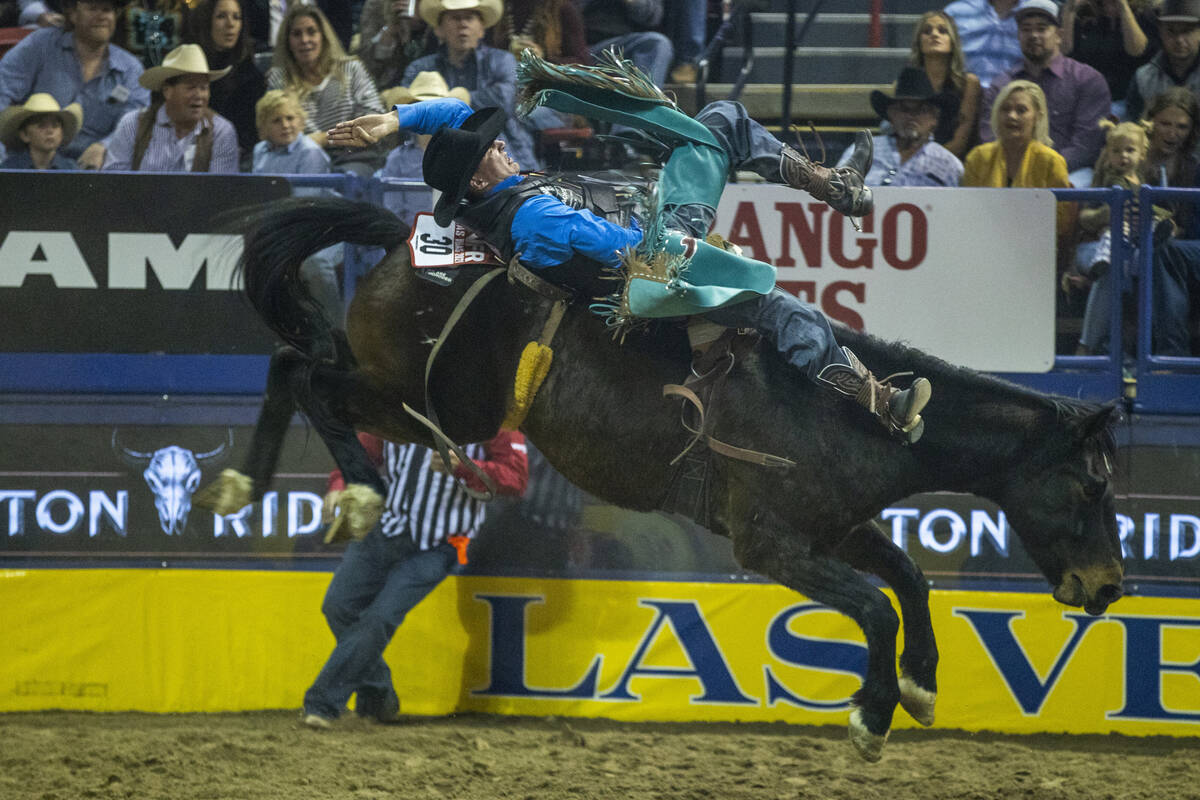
(836, 585)
(869, 549)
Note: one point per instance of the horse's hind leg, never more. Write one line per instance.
(234, 490)
(838, 586)
(869, 549)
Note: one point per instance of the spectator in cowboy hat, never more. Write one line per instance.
(179, 132)
(78, 64)
(34, 132)
(905, 153)
(1177, 64)
(1077, 96)
(489, 74)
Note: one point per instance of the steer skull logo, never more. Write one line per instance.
(173, 475)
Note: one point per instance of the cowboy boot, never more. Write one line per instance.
(897, 410)
(841, 187)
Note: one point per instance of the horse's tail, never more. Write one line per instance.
(286, 233)
(315, 370)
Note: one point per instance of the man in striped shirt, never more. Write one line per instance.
(427, 521)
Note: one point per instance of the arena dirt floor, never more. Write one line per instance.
(253, 756)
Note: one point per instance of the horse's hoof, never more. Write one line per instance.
(869, 745)
(360, 508)
(228, 494)
(916, 701)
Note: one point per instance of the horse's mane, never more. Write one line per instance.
(921, 363)
(950, 377)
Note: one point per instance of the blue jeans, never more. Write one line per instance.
(1176, 275)
(748, 146)
(378, 582)
(649, 51)
(798, 331)
(685, 24)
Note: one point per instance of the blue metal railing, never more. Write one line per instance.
(1164, 384)
(1098, 377)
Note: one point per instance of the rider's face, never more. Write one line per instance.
(495, 167)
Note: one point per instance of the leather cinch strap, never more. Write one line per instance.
(444, 443)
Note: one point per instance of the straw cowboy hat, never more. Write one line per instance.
(13, 117)
(490, 10)
(187, 59)
(913, 84)
(453, 155)
(428, 85)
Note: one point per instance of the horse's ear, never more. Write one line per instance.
(1097, 423)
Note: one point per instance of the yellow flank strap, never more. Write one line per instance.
(532, 370)
(534, 366)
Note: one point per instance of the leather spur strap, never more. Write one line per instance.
(700, 434)
(714, 366)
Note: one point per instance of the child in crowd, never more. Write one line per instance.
(33, 133)
(1119, 165)
(285, 150)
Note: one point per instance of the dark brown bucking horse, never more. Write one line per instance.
(601, 420)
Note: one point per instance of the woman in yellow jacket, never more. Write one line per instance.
(1021, 155)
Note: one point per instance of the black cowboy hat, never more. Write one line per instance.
(1179, 11)
(913, 84)
(453, 155)
(61, 6)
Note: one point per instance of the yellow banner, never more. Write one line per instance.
(200, 640)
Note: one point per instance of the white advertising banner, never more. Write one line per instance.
(965, 274)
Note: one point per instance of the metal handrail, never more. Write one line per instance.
(739, 10)
(1145, 355)
(791, 41)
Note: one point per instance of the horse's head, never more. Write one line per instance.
(1060, 503)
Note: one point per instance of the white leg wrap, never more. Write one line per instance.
(868, 745)
(916, 701)
(360, 507)
(228, 494)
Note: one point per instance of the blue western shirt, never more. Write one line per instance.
(45, 61)
(546, 232)
(301, 157)
(21, 159)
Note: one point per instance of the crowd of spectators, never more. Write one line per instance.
(338, 58)
(1000, 93)
(1019, 94)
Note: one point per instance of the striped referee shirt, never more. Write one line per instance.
(429, 505)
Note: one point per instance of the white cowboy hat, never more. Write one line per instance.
(428, 85)
(13, 117)
(187, 59)
(489, 10)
